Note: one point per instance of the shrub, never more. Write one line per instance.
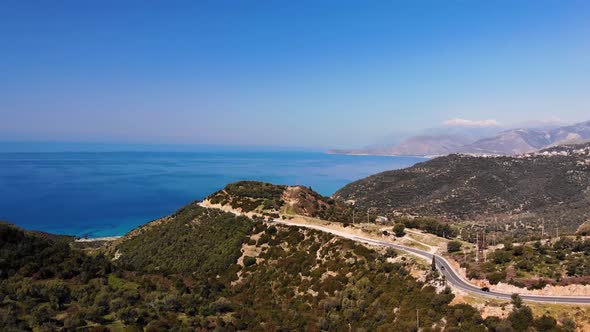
(521, 318)
(502, 256)
(518, 251)
(390, 253)
(496, 277)
(399, 230)
(540, 284)
(545, 323)
(222, 305)
(525, 265)
(508, 244)
(249, 261)
(454, 246)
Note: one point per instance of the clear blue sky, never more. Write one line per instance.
(291, 73)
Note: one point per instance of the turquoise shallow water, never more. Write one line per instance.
(110, 193)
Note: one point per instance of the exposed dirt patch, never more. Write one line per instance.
(226, 208)
(328, 274)
(570, 290)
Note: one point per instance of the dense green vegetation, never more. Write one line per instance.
(162, 247)
(255, 189)
(250, 196)
(315, 284)
(534, 265)
(430, 225)
(40, 276)
(181, 273)
(42, 256)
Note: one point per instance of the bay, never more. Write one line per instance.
(110, 193)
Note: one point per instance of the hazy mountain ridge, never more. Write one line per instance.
(518, 141)
(508, 142)
(422, 145)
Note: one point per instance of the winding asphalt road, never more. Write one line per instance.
(452, 276)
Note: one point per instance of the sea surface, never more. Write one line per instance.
(110, 193)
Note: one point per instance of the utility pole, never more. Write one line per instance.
(368, 217)
(417, 320)
(477, 247)
(484, 244)
(353, 214)
(542, 227)
(494, 237)
(484, 241)
(495, 230)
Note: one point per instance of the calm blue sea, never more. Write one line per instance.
(110, 193)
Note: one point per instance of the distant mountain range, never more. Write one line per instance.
(422, 145)
(508, 142)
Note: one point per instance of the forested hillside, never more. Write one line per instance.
(203, 269)
(214, 238)
(553, 184)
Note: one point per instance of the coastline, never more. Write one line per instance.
(138, 187)
(96, 239)
(367, 154)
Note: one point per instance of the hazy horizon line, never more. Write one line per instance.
(33, 146)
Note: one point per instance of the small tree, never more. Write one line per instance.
(545, 323)
(454, 246)
(399, 230)
(516, 300)
(433, 265)
(521, 318)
